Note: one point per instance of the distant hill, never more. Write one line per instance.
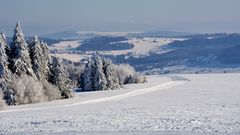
(218, 52)
(91, 34)
(161, 34)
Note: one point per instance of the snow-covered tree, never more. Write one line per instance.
(124, 71)
(46, 56)
(20, 59)
(86, 77)
(5, 73)
(36, 58)
(99, 79)
(111, 75)
(60, 78)
(3, 41)
(3, 56)
(39, 54)
(27, 90)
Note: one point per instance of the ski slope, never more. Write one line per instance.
(173, 104)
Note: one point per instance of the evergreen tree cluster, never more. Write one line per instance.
(29, 63)
(99, 74)
(102, 74)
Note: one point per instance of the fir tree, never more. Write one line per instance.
(3, 41)
(40, 59)
(86, 77)
(60, 78)
(46, 56)
(99, 79)
(5, 74)
(36, 58)
(20, 59)
(111, 75)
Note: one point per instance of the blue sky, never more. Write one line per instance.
(47, 16)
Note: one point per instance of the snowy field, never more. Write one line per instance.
(64, 45)
(141, 47)
(174, 104)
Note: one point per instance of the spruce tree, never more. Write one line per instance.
(3, 41)
(111, 75)
(99, 79)
(5, 73)
(86, 77)
(46, 56)
(36, 58)
(40, 59)
(20, 59)
(60, 78)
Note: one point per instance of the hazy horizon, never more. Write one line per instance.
(45, 17)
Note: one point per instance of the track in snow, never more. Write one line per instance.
(162, 86)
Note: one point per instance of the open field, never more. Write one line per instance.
(182, 104)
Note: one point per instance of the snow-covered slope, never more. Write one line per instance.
(143, 46)
(183, 104)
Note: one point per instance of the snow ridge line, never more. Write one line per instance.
(162, 86)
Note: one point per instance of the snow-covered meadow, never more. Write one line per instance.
(141, 47)
(171, 104)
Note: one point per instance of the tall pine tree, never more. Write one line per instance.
(99, 79)
(20, 59)
(60, 78)
(111, 75)
(5, 73)
(46, 56)
(86, 77)
(40, 56)
(3, 41)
